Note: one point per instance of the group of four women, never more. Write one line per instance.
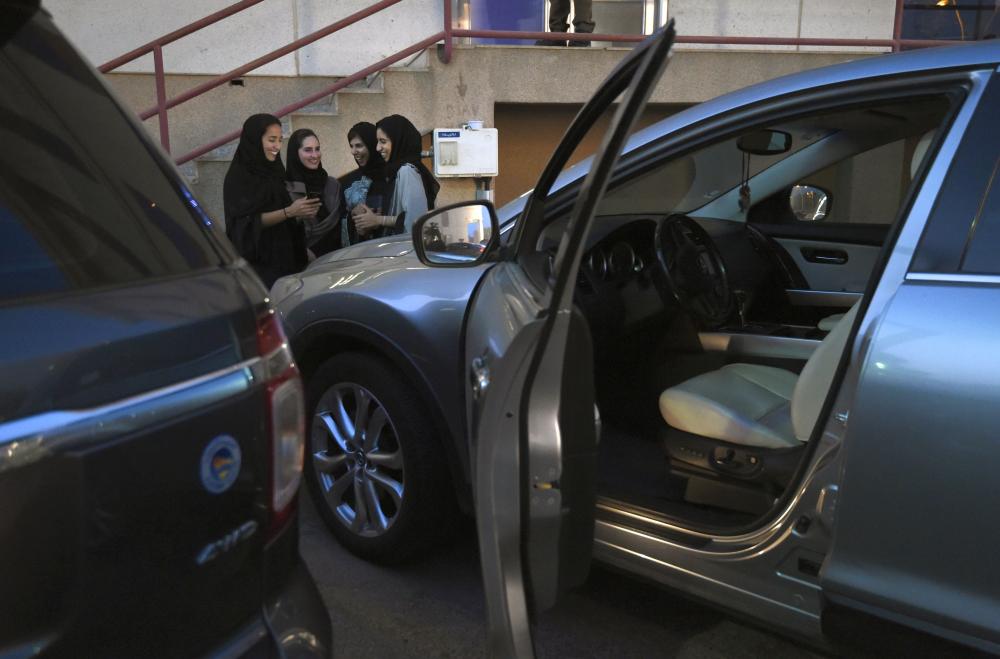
(279, 218)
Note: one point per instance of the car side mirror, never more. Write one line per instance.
(764, 142)
(809, 203)
(457, 236)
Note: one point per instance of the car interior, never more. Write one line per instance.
(720, 287)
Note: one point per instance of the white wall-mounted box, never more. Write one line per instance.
(465, 152)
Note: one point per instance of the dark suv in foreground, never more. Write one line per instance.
(151, 416)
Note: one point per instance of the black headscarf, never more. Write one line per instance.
(314, 179)
(406, 147)
(373, 169)
(255, 185)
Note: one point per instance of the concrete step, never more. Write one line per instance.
(224, 109)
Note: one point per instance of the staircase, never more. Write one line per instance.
(224, 109)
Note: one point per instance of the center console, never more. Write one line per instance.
(763, 341)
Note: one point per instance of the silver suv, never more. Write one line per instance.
(748, 352)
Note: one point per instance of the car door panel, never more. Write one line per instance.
(830, 266)
(924, 427)
(531, 386)
(916, 518)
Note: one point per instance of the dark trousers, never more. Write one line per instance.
(583, 17)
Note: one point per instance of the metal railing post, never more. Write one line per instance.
(897, 27)
(447, 31)
(161, 96)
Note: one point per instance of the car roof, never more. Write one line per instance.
(963, 56)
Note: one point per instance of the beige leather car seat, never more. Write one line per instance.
(759, 406)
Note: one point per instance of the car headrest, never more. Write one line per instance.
(920, 151)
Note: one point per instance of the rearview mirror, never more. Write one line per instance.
(456, 236)
(764, 142)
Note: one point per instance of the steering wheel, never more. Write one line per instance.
(693, 269)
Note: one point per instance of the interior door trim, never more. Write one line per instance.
(801, 297)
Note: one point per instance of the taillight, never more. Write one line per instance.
(286, 421)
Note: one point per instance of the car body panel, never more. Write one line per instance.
(921, 431)
(417, 310)
(927, 371)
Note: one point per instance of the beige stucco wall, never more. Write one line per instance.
(814, 19)
(104, 29)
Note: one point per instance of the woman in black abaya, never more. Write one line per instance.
(413, 187)
(261, 218)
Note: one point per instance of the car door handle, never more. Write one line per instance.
(826, 256)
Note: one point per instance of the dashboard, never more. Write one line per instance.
(615, 287)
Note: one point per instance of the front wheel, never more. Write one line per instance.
(375, 467)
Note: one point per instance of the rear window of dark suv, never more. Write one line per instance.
(84, 202)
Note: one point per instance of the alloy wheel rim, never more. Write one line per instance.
(357, 459)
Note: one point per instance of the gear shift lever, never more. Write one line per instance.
(741, 303)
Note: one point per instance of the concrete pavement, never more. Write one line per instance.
(435, 609)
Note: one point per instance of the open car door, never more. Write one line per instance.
(531, 391)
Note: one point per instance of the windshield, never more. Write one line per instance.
(691, 181)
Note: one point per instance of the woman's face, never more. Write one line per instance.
(359, 150)
(384, 145)
(272, 142)
(309, 152)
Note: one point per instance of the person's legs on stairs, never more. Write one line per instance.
(558, 13)
(583, 21)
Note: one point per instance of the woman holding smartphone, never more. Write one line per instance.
(413, 187)
(305, 177)
(260, 215)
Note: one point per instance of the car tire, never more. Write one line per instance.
(384, 491)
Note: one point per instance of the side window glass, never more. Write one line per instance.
(63, 224)
(77, 97)
(864, 189)
(858, 169)
(83, 203)
(963, 220)
(982, 255)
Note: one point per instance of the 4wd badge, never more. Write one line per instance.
(220, 464)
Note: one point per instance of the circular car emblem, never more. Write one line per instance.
(220, 464)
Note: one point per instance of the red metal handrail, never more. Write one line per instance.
(163, 104)
(894, 44)
(312, 98)
(270, 57)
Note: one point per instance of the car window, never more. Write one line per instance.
(858, 158)
(960, 208)
(83, 203)
(983, 252)
(692, 180)
(868, 187)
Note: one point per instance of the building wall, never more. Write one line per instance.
(109, 28)
(813, 19)
(103, 30)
